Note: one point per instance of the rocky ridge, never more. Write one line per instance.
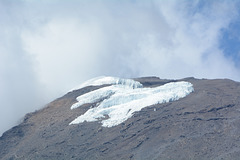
(203, 125)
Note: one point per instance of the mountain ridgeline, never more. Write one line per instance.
(139, 119)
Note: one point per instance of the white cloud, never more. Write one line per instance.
(64, 50)
(49, 47)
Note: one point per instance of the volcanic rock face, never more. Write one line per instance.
(203, 125)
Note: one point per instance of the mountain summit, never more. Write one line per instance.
(141, 118)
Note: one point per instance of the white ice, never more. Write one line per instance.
(118, 102)
(109, 80)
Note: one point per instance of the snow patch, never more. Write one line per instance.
(119, 101)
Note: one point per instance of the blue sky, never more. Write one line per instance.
(48, 47)
(230, 41)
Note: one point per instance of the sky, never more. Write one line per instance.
(48, 47)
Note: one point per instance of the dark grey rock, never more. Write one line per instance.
(203, 125)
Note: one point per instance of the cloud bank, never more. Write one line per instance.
(47, 48)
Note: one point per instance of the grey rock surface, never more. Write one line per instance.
(203, 125)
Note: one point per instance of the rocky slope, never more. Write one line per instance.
(203, 125)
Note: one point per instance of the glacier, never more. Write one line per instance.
(118, 102)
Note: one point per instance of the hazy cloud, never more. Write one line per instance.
(46, 48)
